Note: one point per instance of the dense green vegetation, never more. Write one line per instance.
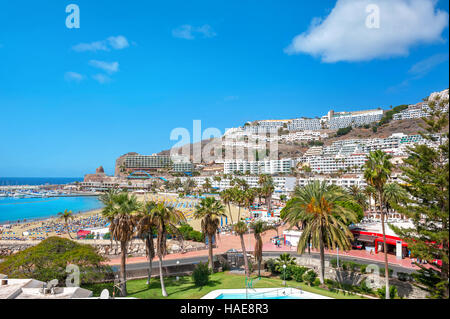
(343, 131)
(48, 260)
(188, 233)
(387, 117)
(426, 176)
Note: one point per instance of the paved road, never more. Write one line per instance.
(274, 254)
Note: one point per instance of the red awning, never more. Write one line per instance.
(83, 232)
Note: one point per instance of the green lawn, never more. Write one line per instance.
(184, 288)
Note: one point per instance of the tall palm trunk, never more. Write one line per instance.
(68, 232)
(386, 264)
(244, 252)
(322, 258)
(231, 214)
(149, 240)
(309, 245)
(210, 253)
(123, 270)
(269, 205)
(161, 277)
(258, 252)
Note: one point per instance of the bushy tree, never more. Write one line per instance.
(200, 275)
(48, 260)
(426, 177)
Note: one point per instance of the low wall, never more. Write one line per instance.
(175, 270)
(104, 247)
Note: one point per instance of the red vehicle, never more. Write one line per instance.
(357, 245)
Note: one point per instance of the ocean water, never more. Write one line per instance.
(14, 209)
(11, 181)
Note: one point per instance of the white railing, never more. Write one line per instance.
(280, 292)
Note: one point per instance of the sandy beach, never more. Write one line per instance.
(186, 205)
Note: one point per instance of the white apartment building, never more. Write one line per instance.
(303, 136)
(326, 165)
(281, 183)
(244, 144)
(305, 124)
(412, 112)
(416, 112)
(259, 167)
(346, 119)
(314, 151)
(274, 123)
(261, 129)
(342, 181)
(356, 146)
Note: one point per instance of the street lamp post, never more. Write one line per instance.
(178, 262)
(284, 276)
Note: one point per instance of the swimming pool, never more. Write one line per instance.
(263, 293)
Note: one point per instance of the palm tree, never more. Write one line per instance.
(145, 227)
(358, 195)
(120, 212)
(284, 259)
(394, 194)
(370, 192)
(241, 228)
(267, 188)
(164, 217)
(207, 185)
(292, 214)
(259, 227)
(259, 194)
(227, 197)
(209, 210)
(107, 198)
(238, 199)
(249, 198)
(318, 203)
(377, 171)
(66, 216)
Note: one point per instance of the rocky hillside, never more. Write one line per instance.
(291, 150)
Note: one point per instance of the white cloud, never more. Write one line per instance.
(423, 67)
(73, 76)
(101, 78)
(189, 32)
(93, 46)
(343, 35)
(117, 43)
(109, 67)
(420, 69)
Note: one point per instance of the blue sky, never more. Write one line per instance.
(74, 99)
